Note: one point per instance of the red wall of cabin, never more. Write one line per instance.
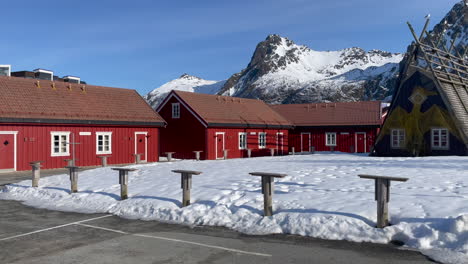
(231, 137)
(344, 141)
(34, 143)
(181, 135)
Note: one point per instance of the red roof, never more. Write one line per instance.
(32, 100)
(217, 110)
(332, 114)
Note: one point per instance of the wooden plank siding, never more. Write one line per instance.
(34, 143)
(231, 137)
(345, 138)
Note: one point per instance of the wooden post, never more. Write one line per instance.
(225, 156)
(382, 196)
(123, 181)
(73, 174)
(137, 158)
(186, 184)
(169, 156)
(249, 152)
(197, 154)
(104, 160)
(272, 152)
(292, 151)
(268, 189)
(36, 172)
(312, 149)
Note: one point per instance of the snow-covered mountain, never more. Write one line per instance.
(186, 83)
(281, 71)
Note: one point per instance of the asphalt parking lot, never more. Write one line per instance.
(30, 235)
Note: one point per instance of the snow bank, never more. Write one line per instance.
(322, 197)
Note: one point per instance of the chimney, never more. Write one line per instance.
(5, 70)
(43, 74)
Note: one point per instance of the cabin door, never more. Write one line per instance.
(361, 142)
(279, 143)
(141, 146)
(7, 151)
(219, 145)
(305, 142)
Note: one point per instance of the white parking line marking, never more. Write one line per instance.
(55, 227)
(178, 240)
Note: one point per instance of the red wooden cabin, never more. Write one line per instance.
(40, 118)
(346, 127)
(212, 124)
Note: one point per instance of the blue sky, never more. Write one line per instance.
(143, 44)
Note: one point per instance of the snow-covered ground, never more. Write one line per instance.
(322, 196)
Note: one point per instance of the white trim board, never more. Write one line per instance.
(146, 144)
(15, 151)
(310, 138)
(216, 143)
(365, 143)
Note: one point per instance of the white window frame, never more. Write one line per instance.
(400, 133)
(327, 142)
(242, 143)
(262, 144)
(97, 143)
(175, 110)
(439, 132)
(67, 141)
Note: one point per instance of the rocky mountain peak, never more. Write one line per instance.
(189, 77)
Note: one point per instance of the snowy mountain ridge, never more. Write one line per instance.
(283, 72)
(185, 82)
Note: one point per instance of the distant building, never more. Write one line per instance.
(213, 124)
(346, 127)
(41, 119)
(429, 112)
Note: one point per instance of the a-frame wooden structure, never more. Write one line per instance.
(428, 115)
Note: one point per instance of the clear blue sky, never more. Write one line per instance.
(143, 44)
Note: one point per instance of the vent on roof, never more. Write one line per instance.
(44, 74)
(71, 79)
(5, 70)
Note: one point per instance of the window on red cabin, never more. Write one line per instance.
(242, 140)
(262, 140)
(175, 110)
(330, 139)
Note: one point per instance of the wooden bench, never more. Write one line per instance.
(73, 174)
(169, 156)
(382, 195)
(268, 189)
(36, 172)
(137, 158)
(123, 181)
(104, 160)
(272, 152)
(197, 154)
(70, 162)
(186, 184)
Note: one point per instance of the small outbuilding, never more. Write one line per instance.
(346, 126)
(55, 121)
(217, 125)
